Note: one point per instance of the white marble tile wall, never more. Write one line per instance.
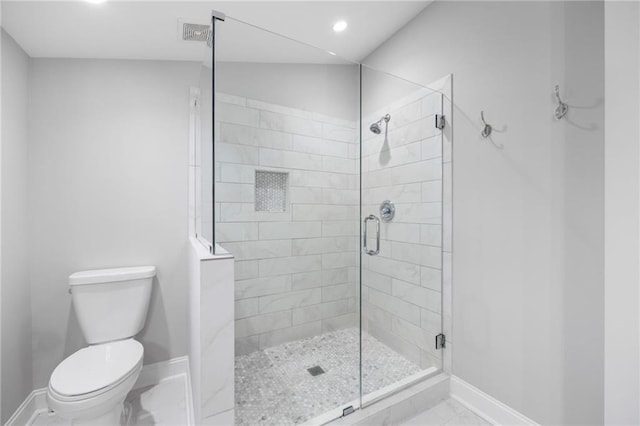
(211, 329)
(402, 286)
(296, 270)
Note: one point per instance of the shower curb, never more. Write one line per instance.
(401, 406)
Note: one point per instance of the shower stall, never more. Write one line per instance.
(329, 182)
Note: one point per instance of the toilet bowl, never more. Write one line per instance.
(90, 386)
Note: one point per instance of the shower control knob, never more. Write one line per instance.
(387, 211)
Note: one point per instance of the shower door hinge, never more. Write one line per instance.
(439, 121)
(441, 341)
(348, 410)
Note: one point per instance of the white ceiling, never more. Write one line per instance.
(149, 30)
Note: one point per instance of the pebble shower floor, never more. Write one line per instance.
(273, 386)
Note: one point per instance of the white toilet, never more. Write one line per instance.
(89, 387)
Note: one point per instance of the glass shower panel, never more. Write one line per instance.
(202, 131)
(401, 162)
(287, 207)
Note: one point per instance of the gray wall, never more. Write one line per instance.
(582, 198)
(528, 204)
(309, 87)
(16, 305)
(622, 177)
(108, 187)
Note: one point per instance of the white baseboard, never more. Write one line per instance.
(486, 406)
(27, 412)
(151, 374)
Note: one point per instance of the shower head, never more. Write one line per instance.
(375, 127)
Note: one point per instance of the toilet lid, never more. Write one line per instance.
(96, 367)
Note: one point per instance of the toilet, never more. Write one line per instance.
(89, 387)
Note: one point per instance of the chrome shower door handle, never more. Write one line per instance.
(364, 238)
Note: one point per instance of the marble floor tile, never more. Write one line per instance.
(161, 404)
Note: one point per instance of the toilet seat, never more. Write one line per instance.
(91, 395)
(96, 369)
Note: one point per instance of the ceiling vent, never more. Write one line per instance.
(194, 32)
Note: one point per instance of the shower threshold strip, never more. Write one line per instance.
(372, 397)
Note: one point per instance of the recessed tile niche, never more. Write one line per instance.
(271, 191)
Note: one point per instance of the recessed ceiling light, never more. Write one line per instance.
(333, 53)
(340, 26)
(96, 1)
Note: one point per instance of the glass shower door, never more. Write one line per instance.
(401, 256)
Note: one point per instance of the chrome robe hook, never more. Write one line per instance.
(486, 132)
(562, 108)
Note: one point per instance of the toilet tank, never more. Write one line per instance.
(111, 304)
